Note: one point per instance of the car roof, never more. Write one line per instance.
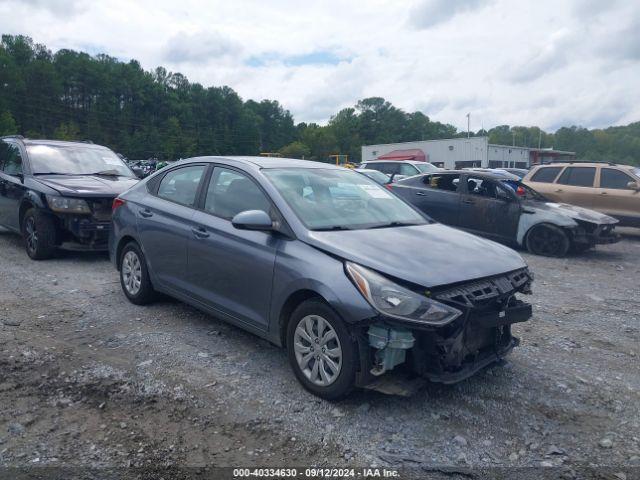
(394, 161)
(581, 164)
(61, 143)
(264, 162)
(475, 173)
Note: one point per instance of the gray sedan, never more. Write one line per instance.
(352, 280)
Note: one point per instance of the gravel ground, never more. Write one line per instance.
(88, 379)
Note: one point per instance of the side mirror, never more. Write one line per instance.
(252, 220)
(391, 178)
(633, 186)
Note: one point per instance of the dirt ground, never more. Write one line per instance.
(88, 379)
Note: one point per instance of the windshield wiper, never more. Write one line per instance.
(331, 228)
(394, 224)
(52, 173)
(106, 173)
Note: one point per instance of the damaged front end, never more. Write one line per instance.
(478, 335)
(82, 224)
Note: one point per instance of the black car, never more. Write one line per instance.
(59, 194)
(506, 210)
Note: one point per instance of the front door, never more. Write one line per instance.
(231, 270)
(614, 196)
(11, 184)
(165, 225)
(490, 209)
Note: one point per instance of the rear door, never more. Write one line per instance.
(165, 225)
(542, 180)
(11, 184)
(489, 208)
(231, 270)
(436, 195)
(575, 185)
(614, 196)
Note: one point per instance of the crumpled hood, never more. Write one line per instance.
(572, 211)
(87, 186)
(427, 255)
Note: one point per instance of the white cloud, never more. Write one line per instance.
(543, 63)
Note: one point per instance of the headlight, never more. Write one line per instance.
(67, 205)
(396, 301)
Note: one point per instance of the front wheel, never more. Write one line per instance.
(321, 351)
(39, 233)
(134, 276)
(548, 240)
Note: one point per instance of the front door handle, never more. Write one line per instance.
(200, 232)
(559, 190)
(422, 194)
(146, 213)
(468, 202)
(603, 193)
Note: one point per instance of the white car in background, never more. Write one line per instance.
(406, 168)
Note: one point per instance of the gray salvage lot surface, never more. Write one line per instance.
(89, 379)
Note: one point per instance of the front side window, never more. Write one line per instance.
(447, 182)
(10, 159)
(335, 199)
(484, 188)
(611, 178)
(426, 167)
(231, 192)
(76, 160)
(181, 185)
(546, 174)
(578, 176)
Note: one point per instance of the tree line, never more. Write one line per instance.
(72, 95)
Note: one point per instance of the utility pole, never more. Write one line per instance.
(539, 138)
(468, 124)
(513, 143)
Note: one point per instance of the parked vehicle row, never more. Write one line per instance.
(348, 269)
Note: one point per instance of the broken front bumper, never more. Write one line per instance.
(454, 352)
(592, 234)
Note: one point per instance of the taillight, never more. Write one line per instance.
(521, 192)
(117, 202)
(388, 186)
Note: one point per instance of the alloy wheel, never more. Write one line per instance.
(317, 350)
(131, 272)
(31, 234)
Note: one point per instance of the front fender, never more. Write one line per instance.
(531, 217)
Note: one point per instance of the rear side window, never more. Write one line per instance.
(578, 176)
(181, 185)
(447, 182)
(611, 178)
(231, 192)
(408, 169)
(388, 168)
(546, 174)
(10, 159)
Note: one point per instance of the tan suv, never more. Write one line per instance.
(606, 187)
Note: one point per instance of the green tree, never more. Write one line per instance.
(295, 149)
(7, 124)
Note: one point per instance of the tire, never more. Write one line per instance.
(325, 374)
(548, 240)
(39, 233)
(134, 275)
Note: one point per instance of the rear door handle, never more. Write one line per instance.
(468, 202)
(603, 193)
(422, 194)
(559, 190)
(200, 232)
(146, 213)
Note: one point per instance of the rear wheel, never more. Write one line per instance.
(548, 240)
(134, 276)
(321, 351)
(39, 233)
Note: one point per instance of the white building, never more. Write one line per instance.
(458, 153)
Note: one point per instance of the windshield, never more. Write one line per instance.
(426, 167)
(523, 191)
(636, 171)
(76, 160)
(332, 199)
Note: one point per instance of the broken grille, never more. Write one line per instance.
(480, 292)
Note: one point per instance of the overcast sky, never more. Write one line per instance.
(544, 62)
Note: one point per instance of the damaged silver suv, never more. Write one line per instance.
(352, 280)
